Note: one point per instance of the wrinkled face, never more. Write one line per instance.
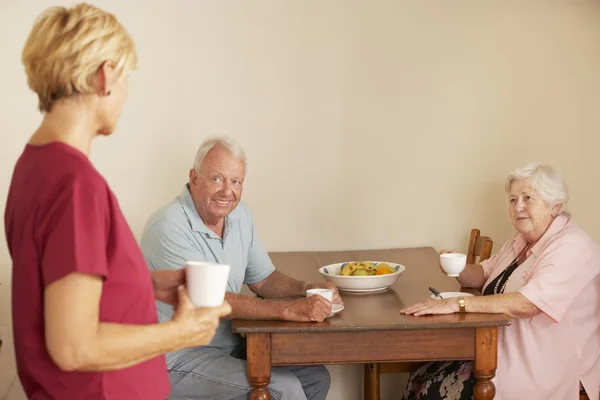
(217, 189)
(529, 214)
(110, 106)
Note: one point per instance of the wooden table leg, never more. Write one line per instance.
(372, 382)
(258, 349)
(486, 361)
(367, 382)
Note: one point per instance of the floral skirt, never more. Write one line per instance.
(447, 380)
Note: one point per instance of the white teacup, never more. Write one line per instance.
(453, 263)
(327, 293)
(206, 282)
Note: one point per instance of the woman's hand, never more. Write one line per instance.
(433, 306)
(197, 324)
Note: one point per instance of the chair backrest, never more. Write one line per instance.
(479, 246)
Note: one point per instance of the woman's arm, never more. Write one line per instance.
(77, 341)
(472, 277)
(514, 305)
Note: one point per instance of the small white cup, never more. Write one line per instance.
(327, 293)
(206, 282)
(453, 263)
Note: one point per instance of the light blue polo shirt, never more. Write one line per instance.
(176, 234)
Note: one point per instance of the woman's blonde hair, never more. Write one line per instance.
(67, 46)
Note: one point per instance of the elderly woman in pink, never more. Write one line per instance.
(546, 278)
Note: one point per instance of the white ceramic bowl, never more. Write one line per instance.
(371, 283)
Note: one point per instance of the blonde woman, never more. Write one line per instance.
(546, 278)
(84, 317)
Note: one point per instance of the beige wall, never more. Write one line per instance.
(368, 124)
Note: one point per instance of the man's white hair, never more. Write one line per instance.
(227, 143)
(546, 180)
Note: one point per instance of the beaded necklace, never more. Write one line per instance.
(519, 257)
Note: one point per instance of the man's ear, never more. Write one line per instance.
(193, 176)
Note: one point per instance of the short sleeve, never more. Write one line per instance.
(260, 265)
(74, 233)
(559, 276)
(167, 246)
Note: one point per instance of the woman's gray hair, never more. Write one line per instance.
(228, 144)
(546, 180)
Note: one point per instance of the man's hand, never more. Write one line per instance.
(309, 309)
(166, 282)
(337, 299)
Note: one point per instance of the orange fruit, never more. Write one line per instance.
(383, 270)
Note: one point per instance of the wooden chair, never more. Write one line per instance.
(479, 246)
(480, 249)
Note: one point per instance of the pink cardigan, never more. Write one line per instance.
(545, 357)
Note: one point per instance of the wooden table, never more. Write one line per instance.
(370, 328)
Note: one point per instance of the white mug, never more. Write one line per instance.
(206, 282)
(327, 293)
(453, 263)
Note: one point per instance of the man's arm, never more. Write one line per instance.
(262, 278)
(314, 308)
(165, 284)
(278, 285)
(275, 286)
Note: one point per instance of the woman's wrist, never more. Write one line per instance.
(455, 305)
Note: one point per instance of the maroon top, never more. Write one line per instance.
(62, 217)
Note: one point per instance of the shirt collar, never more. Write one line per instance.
(555, 226)
(196, 223)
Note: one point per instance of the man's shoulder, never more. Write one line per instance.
(171, 215)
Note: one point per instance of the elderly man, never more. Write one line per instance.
(208, 222)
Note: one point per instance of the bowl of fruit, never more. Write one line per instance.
(362, 276)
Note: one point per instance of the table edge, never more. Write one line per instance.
(317, 328)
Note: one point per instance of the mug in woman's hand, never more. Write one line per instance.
(452, 263)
